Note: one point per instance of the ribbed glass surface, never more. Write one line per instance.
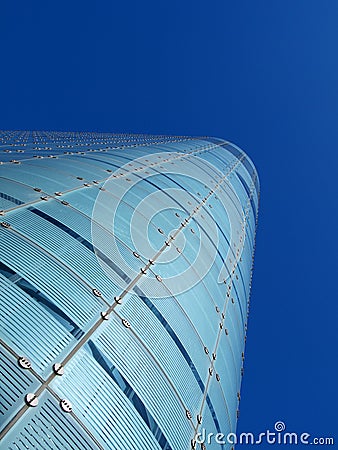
(125, 275)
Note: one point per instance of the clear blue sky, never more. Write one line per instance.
(261, 73)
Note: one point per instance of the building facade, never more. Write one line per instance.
(126, 264)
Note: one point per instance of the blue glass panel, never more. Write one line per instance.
(50, 278)
(21, 304)
(48, 427)
(15, 383)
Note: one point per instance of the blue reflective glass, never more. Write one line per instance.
(125, 276)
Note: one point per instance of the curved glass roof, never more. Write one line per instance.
(126, 264)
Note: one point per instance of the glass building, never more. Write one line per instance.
(126, 265)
